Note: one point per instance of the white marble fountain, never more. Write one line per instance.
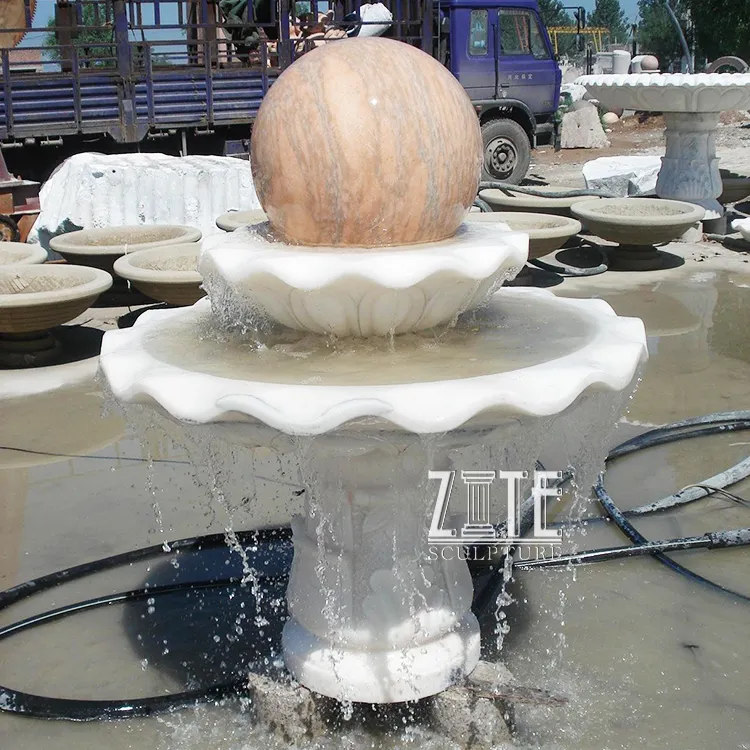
(370, 338)
(691, 105)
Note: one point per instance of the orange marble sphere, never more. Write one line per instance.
(366, 143)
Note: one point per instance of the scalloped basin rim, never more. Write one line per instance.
(610, 360)
(476, 251)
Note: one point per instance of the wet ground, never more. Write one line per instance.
(646, 658)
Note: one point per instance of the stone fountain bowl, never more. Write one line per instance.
(734, 187)
(637, 221)
(547, 233)
(359, 291)
(167, 274)
(38, 297)
(670, 92)
(20, 253)
(522, 203)
(236, 219)
(100, 248)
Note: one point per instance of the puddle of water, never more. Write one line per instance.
(649, 658)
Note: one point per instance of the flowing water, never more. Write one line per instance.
(645, 658)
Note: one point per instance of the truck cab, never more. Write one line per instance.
(502, 55)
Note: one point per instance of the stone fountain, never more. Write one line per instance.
(363, 330)
(691, 105)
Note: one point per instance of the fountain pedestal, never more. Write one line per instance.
(691, 105)
(375, 618)
(690, 168)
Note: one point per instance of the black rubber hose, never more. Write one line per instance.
(47, 707)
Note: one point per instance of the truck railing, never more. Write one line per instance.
(129, 68)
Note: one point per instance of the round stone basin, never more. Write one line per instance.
(100, 248)
(637, 221)
(167, 274)
(547, 233)
(20, 253)
(520, 202)
(35, 298)
(734, 187)
(236, 219)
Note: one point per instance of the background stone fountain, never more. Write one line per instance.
(691, 105)
(310, 343)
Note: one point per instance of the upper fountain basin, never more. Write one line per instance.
(670, 92)
(360, 291)
(525, 352)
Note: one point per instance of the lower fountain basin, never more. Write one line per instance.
(547, 233)
(21, 253)
(520, 202)
(358, 292)
(167, 274)
(637, 221)
(481, 370)
(235, 219)
(100, 248)
(35, 298)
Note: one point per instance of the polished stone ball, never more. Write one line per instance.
(366, 143)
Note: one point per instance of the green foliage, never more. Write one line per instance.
(554, 14)
(722, 27)
(90, 32)
(656, 33)
(609, 13)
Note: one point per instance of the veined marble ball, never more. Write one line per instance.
(366, 143)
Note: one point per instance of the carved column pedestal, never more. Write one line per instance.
(374, 619)
(690, 169)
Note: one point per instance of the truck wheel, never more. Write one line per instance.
(8, 229)
(507, 151)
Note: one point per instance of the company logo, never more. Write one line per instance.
(478, 530)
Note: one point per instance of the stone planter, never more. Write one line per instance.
(637, 224)
(19, 253)
(35, 298)
(236, 219)
(547, 233)
(167, 274)
(100, 248)
(521, 203)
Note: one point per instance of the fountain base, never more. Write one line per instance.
(388, 676)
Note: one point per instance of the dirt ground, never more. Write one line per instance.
(639, 135)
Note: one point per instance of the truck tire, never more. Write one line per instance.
(507, 151)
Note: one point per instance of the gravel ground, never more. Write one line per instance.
(630, 136)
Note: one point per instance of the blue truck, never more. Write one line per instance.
(189, 77)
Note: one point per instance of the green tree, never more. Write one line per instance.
(91, 31)
(608, 13)
(656, 33)
(554, 14)
(721, 27)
